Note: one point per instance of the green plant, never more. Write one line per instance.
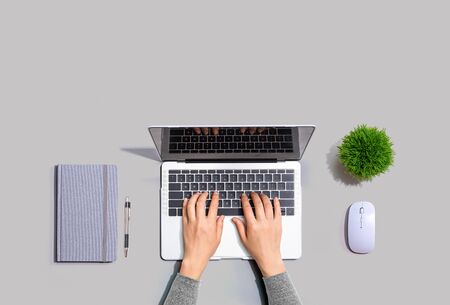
(366, 152)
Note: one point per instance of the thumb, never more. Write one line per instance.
(241, 228)
(219, 226)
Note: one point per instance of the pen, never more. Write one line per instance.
(127, 215)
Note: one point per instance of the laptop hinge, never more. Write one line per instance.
(231, 160)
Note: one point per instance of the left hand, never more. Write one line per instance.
(201, 233)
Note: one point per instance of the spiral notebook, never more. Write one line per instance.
(86, 213)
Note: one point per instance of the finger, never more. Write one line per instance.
(197, 130)
(261, 129)
(267, 206)
(243, 129)
(240, 228)
(184, 216)
(252, 130)
(215, 131)
(219, 227)
(200, 207)
(247, 209)
(205, 130)
(191, 206)
(212, 214)
(277, 209)
(259, 209)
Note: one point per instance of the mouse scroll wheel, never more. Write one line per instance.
(361, 210)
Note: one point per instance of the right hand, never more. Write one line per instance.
(261, 232)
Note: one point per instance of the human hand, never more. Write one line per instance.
(201, 233)
(206, 131)
(261, 235)
(253, 130)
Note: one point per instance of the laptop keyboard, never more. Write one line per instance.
(230, 184)
(231, 140)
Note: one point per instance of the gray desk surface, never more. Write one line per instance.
(81, 81)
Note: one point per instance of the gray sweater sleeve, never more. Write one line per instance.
(280, 290)
(184, 291)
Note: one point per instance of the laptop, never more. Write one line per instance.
(230, 160)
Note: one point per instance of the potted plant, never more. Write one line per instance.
(366, 152)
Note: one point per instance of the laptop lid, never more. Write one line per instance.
(231, 142)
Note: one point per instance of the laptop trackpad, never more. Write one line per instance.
(230, 245)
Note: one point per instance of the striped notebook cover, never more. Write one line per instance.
(86, 213)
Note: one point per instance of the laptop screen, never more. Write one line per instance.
(178, 143)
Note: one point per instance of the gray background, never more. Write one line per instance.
(81, 80)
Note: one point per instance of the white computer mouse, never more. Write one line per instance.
(361, 227)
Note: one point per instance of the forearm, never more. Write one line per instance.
(280, 290)
(184, 291)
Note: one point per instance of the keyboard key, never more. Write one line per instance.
(194, 186)
(172, 212)
(220, 186)
(181, 178)
(203, 186)
(236, 203)
(180, 212)
(231, 195)
(176, 195)
(283, 211)
(174, 186)
(287, 177)
(237, 186)
(207, 178)
(242, 177)
(267, 193)
(289, 211)
(174, 171)
(268, 177)
(229, 186)
(211, 186)
(272, 186)
(286, 202)
(223, 195)
(224, 178)
(172, 178)
(286, 194)
(185, 186)
(187, 194)
(239, 194)
(277, 177)
(175, 203)
(230, 212)
(281, 185)
(198, 178)
(216, 178)
(251, 178)
(190, 178)
(246, 186)
(255, 186)
(263, 186)
(289, 186)
(233, 178)
(259, 177)
(227, 203)
(274, 194)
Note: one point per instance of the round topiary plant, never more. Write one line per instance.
(366, 152)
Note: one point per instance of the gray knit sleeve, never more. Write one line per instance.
(280, 290)
(184, 291)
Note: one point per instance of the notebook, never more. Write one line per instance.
(86, 213)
